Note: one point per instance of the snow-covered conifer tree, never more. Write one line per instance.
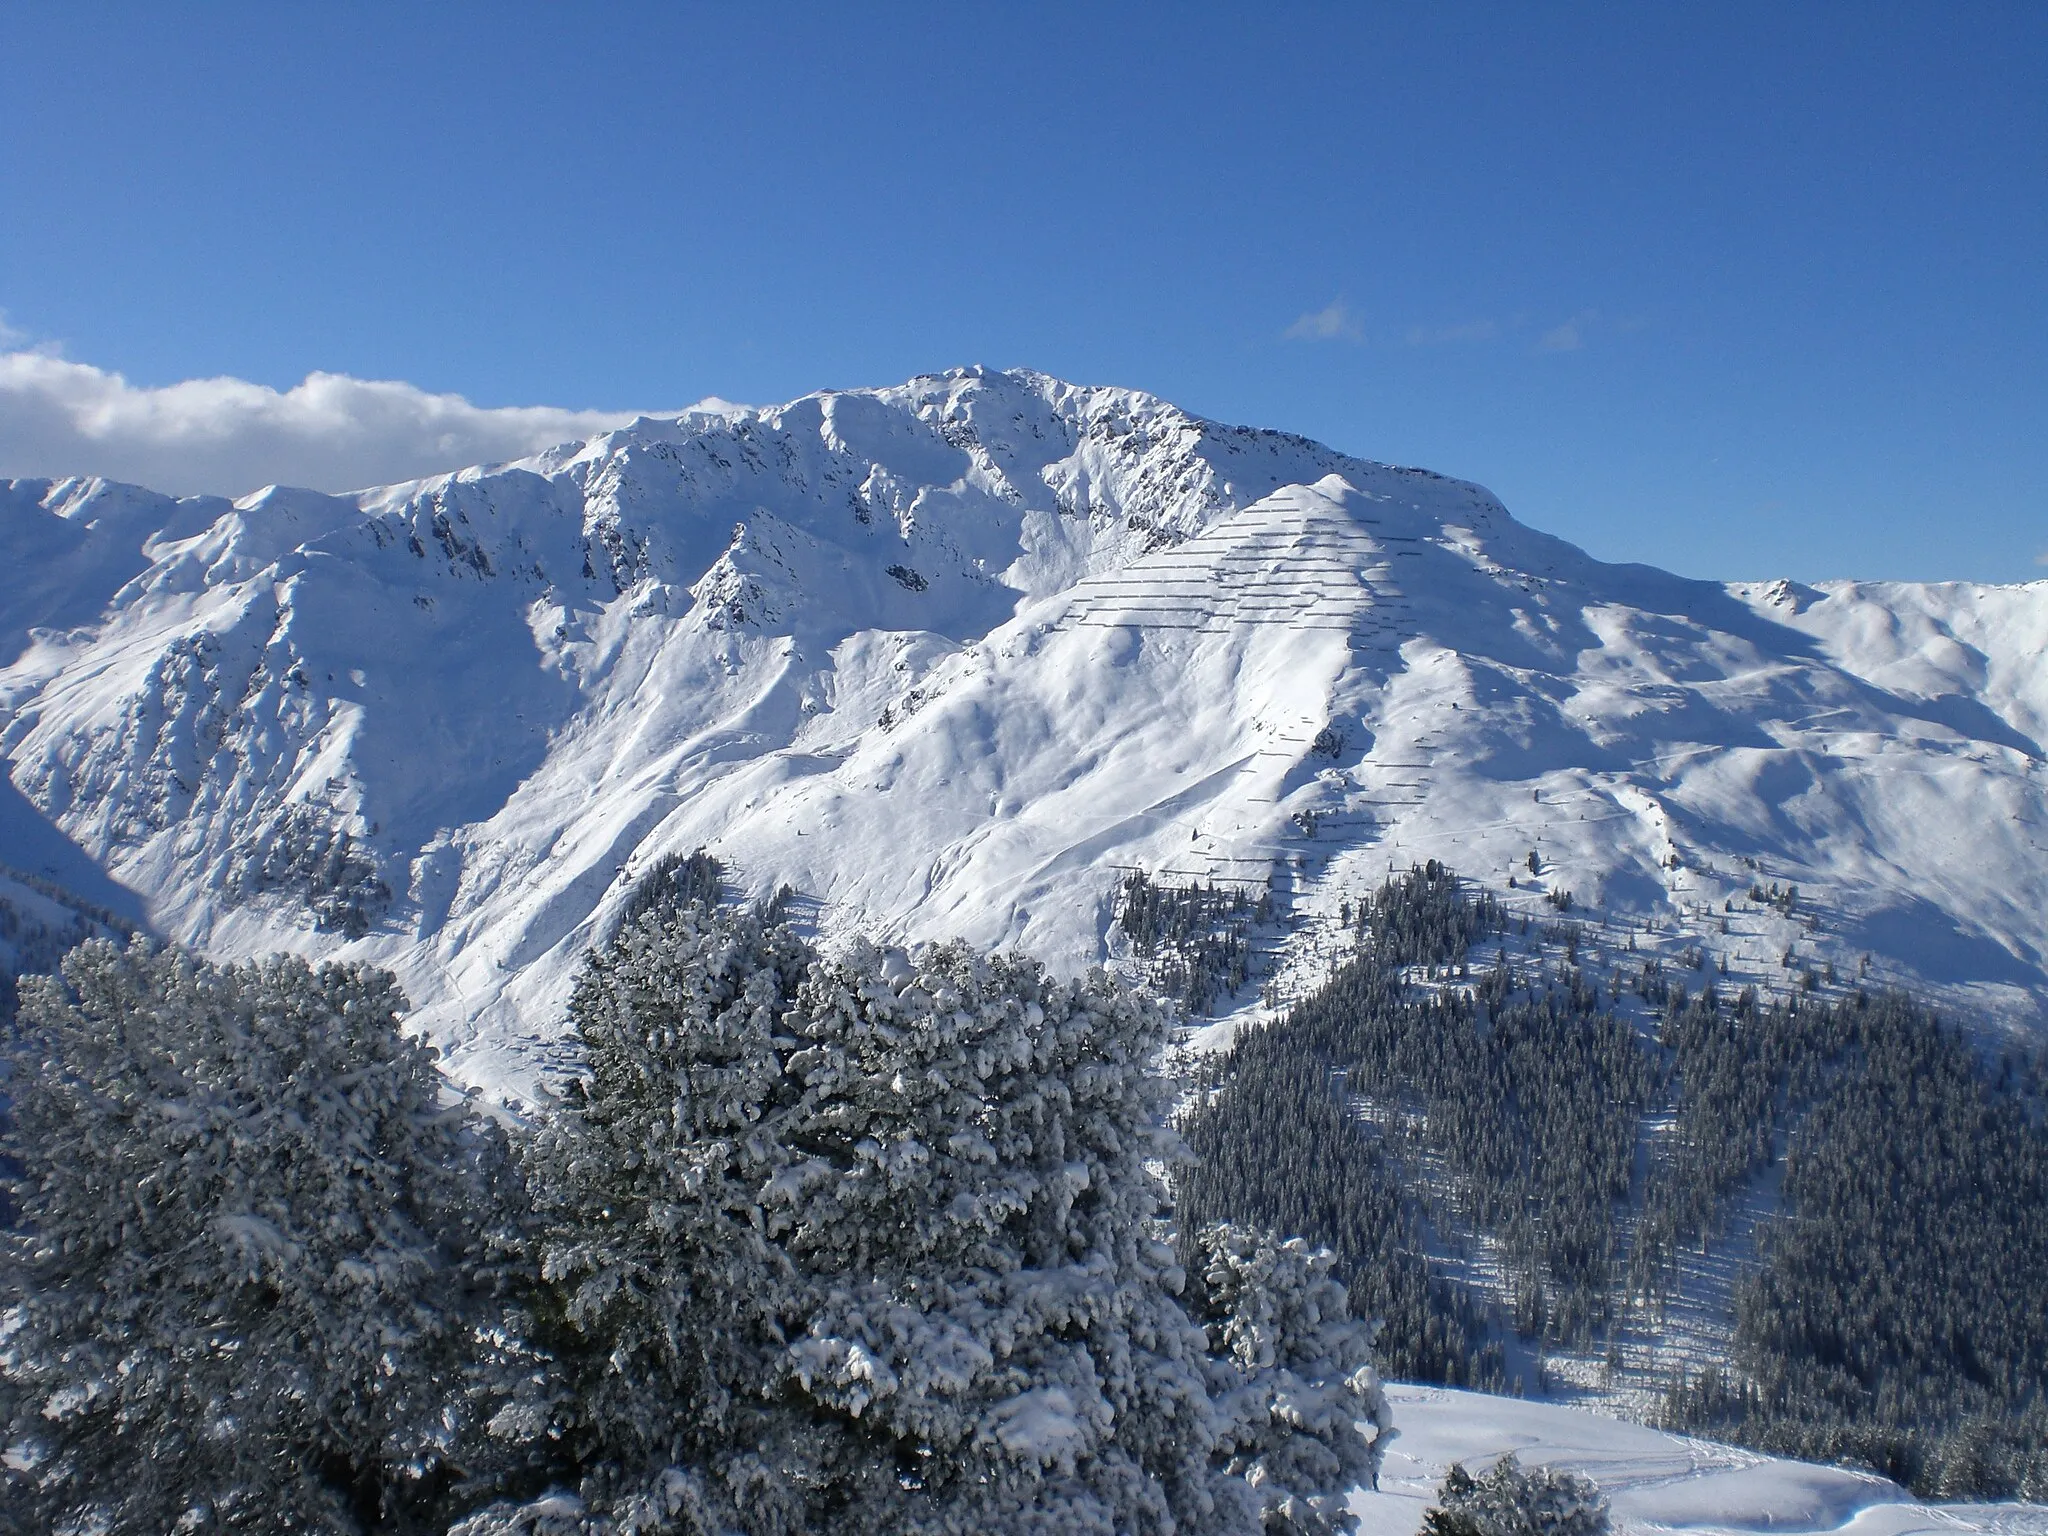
(661, 1279)
(878, 1243)
(1507, 1500)
(1291, 1375)
(239, 1296)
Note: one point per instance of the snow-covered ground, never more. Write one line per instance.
(1654, 1481)
(948, 658)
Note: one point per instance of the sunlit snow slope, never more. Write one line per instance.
(1654, 1482)
(948, 657)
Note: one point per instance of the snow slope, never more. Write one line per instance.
(947, 657)
(1653, 1481)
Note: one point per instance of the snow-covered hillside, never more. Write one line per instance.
(949, 657)
(1653, 1481)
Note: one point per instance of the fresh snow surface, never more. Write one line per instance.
(1654, 1481)
(950, 657)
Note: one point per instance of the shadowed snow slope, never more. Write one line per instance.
(1653, 1481)
(947, 657)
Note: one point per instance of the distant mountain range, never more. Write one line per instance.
(955, 657)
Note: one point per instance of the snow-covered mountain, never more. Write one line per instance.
(948, 658)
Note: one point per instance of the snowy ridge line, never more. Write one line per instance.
(930, 654)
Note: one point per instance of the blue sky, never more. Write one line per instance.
(1740, 291)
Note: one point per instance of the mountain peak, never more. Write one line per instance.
(953, 656)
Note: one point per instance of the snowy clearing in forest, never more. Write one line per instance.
(1654, 1481)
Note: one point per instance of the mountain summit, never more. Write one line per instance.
(956, 657)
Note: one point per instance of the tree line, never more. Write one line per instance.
(1418, 1104)
(1194, 940)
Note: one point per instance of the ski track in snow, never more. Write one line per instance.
(947, 658)
(1654, 1481)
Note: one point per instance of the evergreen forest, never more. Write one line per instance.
(1516, 1141)
(1194, 941)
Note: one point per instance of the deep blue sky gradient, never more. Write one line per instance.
(1800, 249)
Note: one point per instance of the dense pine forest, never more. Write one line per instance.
(1194, 941)
(1582, 1133)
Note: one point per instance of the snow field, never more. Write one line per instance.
(1655, 1482)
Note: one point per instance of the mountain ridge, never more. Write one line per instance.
(951, 657)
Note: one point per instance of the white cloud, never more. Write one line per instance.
(229, 436)
(1335, 321)
(1569, 336)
